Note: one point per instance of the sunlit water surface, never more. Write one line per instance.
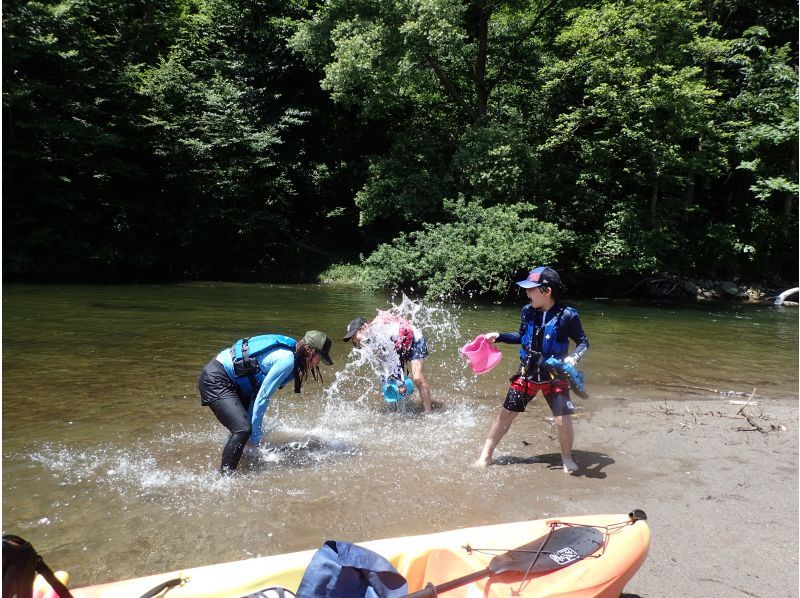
(110, 463)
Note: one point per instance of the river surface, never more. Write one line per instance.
(110, 463)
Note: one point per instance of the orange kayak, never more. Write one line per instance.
(617, 548)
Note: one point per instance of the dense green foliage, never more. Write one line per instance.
(454, 143)
(479, 252)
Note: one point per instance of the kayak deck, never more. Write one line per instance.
(430, 558)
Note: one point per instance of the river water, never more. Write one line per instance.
(110, 463)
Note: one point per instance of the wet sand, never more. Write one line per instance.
(721, 497)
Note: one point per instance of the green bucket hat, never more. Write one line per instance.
(321, 342)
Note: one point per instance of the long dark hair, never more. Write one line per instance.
(303, 354)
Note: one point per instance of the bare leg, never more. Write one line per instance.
(418, 376)
(499, 428)
(566, 435)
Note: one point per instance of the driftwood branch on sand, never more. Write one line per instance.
(751, 419)
(747, 403)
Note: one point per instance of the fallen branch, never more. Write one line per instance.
(754, 424)
(748, 401)
(740, 414)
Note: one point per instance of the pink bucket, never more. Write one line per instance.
(481, 354)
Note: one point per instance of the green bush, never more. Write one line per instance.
(480, 252)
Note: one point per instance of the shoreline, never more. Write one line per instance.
(681, 290)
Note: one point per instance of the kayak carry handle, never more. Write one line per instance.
(637, 515)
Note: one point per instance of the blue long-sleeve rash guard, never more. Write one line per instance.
(569, 327)
(279, 367)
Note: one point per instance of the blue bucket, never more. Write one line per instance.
(391, 392)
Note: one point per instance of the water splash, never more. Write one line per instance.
(350, 423)
(376, 360)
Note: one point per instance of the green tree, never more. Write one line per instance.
(767, 147)
(636, 119)
(238, 139)
(70, 156)
(177, 139)
(250, 155)
(217, 151)
(438, 74)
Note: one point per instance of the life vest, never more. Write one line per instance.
(405, 335)
(246, 353)
(551, 346)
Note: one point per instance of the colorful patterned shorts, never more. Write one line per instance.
(523, 390)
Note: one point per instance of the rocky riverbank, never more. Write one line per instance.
(713, 290)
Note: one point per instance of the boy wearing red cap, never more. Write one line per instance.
(545, 330)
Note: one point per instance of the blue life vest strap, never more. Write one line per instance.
(246, 365)
(533, 358)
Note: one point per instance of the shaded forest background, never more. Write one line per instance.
(447, 145)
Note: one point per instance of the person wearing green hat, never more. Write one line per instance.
(238, 383)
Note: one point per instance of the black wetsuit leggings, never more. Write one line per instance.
(233, 415)
(219, 394)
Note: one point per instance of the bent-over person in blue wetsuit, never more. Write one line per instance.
(238, 383)
(544, 331)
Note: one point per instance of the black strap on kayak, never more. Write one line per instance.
(272, 592)
(21, 563)
(171, 583)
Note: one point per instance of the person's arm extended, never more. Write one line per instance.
(278, 371)
(512, 338)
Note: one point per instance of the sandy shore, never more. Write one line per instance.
(721, 496)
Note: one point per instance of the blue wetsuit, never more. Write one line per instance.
(544, 334)
(540, 332)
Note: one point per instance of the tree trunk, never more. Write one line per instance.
(788, 202)
(690, 190)
(654, 199)
(481, 89)
(788, 199)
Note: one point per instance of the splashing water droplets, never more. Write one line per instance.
(349, 425)
(376, 359)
